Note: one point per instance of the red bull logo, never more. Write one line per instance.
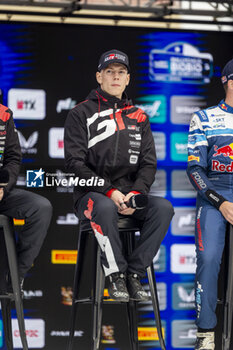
(223, 106)
(226, 151)
(220, 167)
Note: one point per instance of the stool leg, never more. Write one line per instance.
(77, 276)
(131, 305)
(12, 259)
(132, 323)
(6, 318)
(155, 303)
(98, 301)
(228, 307)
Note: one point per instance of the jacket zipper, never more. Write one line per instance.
(117, 139)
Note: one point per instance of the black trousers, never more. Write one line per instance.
(37, 212)
(103, 215)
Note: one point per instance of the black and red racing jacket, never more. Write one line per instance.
(10, 151)
(110, 139)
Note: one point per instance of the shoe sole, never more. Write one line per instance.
(137, 299)
(119, 300)
(123, 300)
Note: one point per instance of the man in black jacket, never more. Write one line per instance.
(109, 140)
(20, 204)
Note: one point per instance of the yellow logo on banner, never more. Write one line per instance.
(148, 333)
(106, 292)
(19, 222)
(193, 158)
(64, 256)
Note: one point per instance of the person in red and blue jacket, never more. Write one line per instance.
(210, 168)
(109, 140)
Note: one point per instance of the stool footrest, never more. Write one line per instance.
(84, 300)
(106, 300)
(5, 296)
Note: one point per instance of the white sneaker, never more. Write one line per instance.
(205, 341)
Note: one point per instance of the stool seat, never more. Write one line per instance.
(124, 222)
(9, 237)
(128, 226)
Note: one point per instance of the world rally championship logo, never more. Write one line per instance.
(35, 178)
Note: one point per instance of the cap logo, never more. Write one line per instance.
(224, 79)
(114, 56)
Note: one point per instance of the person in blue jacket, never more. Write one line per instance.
(210, 168)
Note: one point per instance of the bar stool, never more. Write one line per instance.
(228, 303)
(9, 237)
(127, 227)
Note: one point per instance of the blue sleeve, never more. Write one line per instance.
(197, 162)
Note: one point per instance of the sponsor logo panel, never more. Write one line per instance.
(162, 297)
(149, 334)
(30, 294)
(183, 296)
(181, 186)
(65, 105)
(66, 294)
(179, 146)
(180, 62)
(183, 107)
(183, 258)
(108, 336)
(62, 333)
(159, 186)
(64, 256)
(160, 144)
(183, 222)
(27, 103)
(68, 219)
(183, 334)
(35, 333)
(27, 145)
(21, 180)
(56, 143)
(155, 106)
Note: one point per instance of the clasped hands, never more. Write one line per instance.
(120, 199)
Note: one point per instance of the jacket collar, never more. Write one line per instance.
(225, 107)
(110, 100)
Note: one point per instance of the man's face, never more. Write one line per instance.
(113, 79)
